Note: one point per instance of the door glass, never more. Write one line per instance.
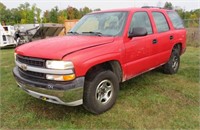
(161, 22)
(176, 20)
(141, 19)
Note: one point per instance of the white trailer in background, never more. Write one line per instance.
(31, 32)
(7, 36)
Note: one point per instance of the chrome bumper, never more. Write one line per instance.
(70, 94)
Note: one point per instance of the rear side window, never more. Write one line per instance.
(141, 19)
(160, 21)
(176, 20)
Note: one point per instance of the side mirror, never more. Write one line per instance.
(137, 32)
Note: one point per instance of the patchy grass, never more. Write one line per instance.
(152, 100)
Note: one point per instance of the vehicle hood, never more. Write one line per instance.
(58, 47)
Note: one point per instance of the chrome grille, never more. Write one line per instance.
(31, 61)
(30, 74)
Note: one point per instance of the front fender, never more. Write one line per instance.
(85, 59)
(81, 71)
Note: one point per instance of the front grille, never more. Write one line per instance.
(30, 74)
(31, 61)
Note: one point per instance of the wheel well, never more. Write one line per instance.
(178, 46)
(113, 66)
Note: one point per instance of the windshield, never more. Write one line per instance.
(106, 23)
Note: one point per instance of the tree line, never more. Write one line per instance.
(26, 13)
(191, 18)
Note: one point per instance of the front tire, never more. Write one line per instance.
(172, 66)
(100, 92)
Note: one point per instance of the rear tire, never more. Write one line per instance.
(172, 66)
(100, 92)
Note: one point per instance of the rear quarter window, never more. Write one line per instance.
(175, 19)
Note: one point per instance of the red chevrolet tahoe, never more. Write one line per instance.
(103, 49)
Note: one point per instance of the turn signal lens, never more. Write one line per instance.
(69, 77)
(61, 77)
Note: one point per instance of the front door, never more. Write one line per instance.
(138, 48)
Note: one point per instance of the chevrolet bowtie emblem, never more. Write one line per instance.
(24, 67)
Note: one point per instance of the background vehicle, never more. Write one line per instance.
(7, 36)
(31, 32)
(102, 50)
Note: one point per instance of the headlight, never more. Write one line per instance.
(51, 64)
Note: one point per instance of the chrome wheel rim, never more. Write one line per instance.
(175, 63)
(104, 91)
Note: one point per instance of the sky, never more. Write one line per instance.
(102, 4)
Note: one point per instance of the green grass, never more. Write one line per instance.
(152, 100)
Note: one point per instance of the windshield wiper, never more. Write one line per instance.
(71, 32)
(95, 33)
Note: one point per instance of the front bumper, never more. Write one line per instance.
(69, 93)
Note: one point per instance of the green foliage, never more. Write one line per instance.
(191, 18)
(46, 18)
(168, 5)
(53, 15)
(5, 14)
(62, 15)
(70, 13)
(26, 13)
(16, 16)
(59, 16)
(38, 12)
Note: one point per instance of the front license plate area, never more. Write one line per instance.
(44, 98)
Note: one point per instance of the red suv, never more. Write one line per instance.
(103, 49)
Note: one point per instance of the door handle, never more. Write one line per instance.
(155, 41)
(171, 37)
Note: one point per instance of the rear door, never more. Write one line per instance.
(161, 44)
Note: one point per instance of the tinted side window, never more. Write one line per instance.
(176, 20)
(141, 19)
(161, 22)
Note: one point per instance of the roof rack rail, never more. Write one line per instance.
(152, 7)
